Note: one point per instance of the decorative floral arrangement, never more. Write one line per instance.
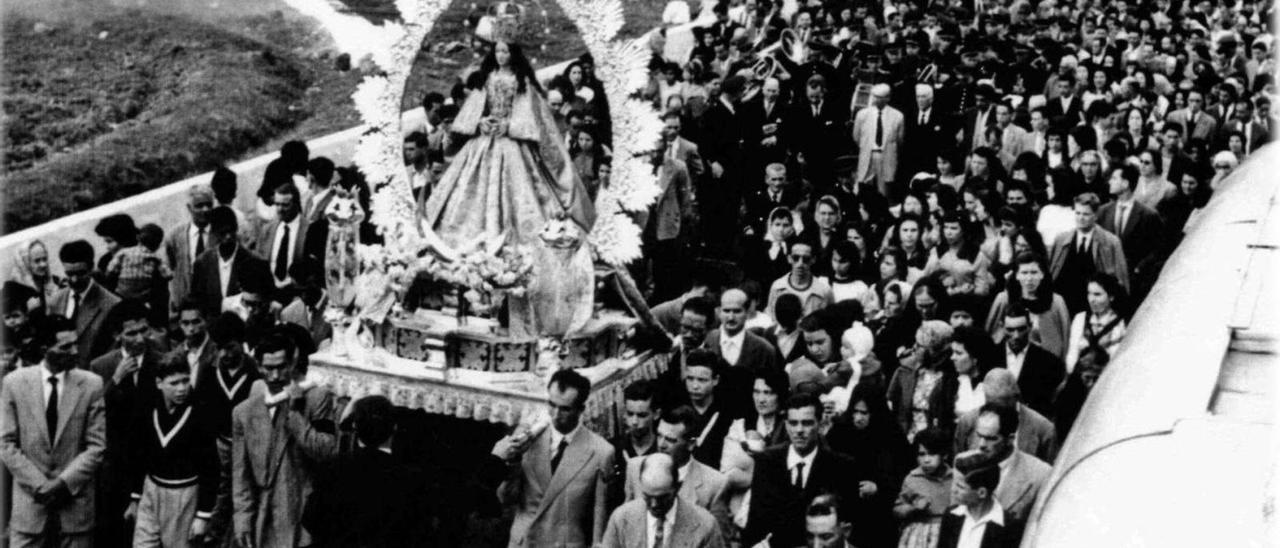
(506, 269)
(621, 65)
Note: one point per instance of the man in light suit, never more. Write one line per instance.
(1076, 254)
(280, 434)
(558, 480)
(83, 301)
(185, 242)
(52, 436)
(668, 224)
(700, 484)
(1198, 124)
(282, 241)
(218, 272)
(877, 134)
(1036, 434)
(1013, 139)
(676, 147)
(661, 516)
(1021, 475)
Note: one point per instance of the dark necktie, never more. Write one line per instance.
(879, 127)
(199, 242)
(1084, 246)
(51, 410)
(282, 256)
(658, 534)
(75, 305)
(799, 483)
(924, 118)
(555, 460)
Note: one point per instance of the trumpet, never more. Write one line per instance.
(792, 44)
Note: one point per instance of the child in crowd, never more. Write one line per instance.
(926, 491)
(139, 271)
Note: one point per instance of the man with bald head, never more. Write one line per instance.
(1036, 433)
(187, 240)
(743, 351)
(1021, 474)
(878, 131)
(660, 517)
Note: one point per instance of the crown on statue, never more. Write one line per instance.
(508, 20)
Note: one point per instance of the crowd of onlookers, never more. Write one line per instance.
(888, 261)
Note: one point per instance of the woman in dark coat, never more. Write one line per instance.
(868, 433)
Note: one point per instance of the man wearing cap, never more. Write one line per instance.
(877, 133)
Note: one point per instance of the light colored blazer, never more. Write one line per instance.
(1020, 484)
(676, 201)
(864, 135)
(567, 509)
(703, 486)
(693, 528)
(177, 250)
(74, 455)
(1108, 254)
(273, 462)
(1036, 434)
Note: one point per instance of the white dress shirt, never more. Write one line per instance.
(224, 270)
(731, 346)
(48, 388)
(974, 527)
(193, 240)
(1013, 362)
(668, 524)
(193, 359)
(1124, 208)
(794, 458)
(556, 436)
(290, 245)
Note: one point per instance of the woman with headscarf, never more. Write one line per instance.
(31, 269)
(868, 433)
(923, 389)
(765, 259)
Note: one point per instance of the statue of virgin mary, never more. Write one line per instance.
(514, 172)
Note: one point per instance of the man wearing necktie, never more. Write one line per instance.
(660, 517)
(878, 134)
(1077, 254)
(51, 441)
(788, 476)
(558, 479)
(283, 240)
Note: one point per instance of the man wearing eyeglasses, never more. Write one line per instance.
(558, 479)
(814, 292)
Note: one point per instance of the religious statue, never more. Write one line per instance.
(514, 172)
(561, 294)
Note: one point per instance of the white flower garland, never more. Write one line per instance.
(622, 67)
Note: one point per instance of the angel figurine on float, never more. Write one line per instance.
(514, 172)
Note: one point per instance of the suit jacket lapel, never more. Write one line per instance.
(574, 460)
(685, 527)
(693, 484)
(68, 397)
(36, 392)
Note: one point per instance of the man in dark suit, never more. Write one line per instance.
(218, 271)
(376, 499)
(744, 352)
(676, 147)
(1038, 371)
(129, 388)
(185, 242)
(1098, 130)
(83, 301)
(195, 347)
(788, 476)
(778, 192)
(977, 119)
(51, 441)
(1066, 110)
(558, 479)
(1139, 227)
(762, 123)
(721, 194)
(978, 519)
(661, 515)
(1243, 122)
(1174, 159)
(816, 127)
(928, 132)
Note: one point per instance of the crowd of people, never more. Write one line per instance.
(894, 247)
